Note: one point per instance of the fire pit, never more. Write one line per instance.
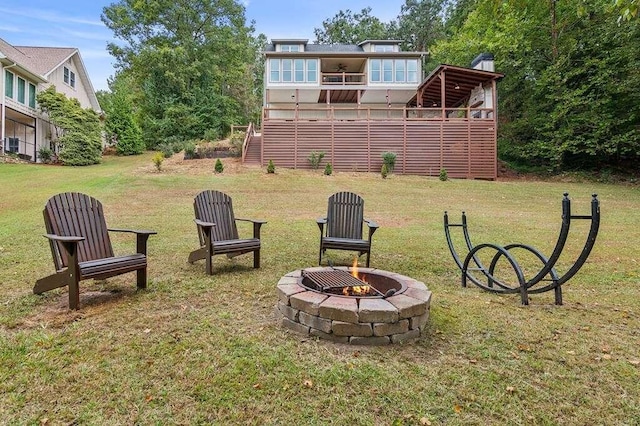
(350, 305)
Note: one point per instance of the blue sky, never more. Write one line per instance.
(76, 23)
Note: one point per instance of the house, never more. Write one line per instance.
(354, 102)
(25, 71)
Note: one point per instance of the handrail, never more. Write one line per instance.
(344, 78)
(332, 113)
(247, 137)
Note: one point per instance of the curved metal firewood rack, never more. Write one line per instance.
(547, 274)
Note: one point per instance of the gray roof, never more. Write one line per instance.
(324, 48)
(38, 60)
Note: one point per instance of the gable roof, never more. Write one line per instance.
(10, 55)
(44, 60)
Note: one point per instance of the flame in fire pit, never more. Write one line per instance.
(357, 290)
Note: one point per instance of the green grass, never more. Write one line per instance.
(195, 349)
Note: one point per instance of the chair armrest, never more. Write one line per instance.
(133, 231)
(256, 226)
(261, 222)
(204, 224)
(321, 221)
(64, 239)
(372, 227)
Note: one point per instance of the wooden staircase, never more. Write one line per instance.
(254, 147)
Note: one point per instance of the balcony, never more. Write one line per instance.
(344, 78)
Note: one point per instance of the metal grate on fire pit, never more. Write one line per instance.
(333, 280)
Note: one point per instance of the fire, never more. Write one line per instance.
(356, 290)
(354, 268)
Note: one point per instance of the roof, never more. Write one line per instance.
(44, 60)
(459, 82)
(11, 55)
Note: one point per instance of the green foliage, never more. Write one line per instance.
(121, 128)
(384, 171)
(45, 154)
(351, 28)
(271, 168)
(192, 65)
(190, 150)
(389, 159)
(219, 168)
(443, 175)
(328, 169)
(166, 149)
(315, 158)
(157, 160)
(420, 24)
(75, 129)
(236, 139)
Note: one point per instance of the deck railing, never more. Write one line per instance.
(344, 78)
(375, 113)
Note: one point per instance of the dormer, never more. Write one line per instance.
(380, 46)
(289, 45)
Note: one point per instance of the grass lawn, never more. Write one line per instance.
(195, 349)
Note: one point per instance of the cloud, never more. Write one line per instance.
(10, 29)
(52, 17)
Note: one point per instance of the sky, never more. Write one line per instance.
(76, 23)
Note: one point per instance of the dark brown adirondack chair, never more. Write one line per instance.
(345, 216)
(218, 232)
(81, 247)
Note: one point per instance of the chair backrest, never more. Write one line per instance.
(74, 214)
(216, 207)
(345, 214)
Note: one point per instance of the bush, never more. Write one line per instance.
(236, 140)
(45, 154)
(190, 151)
(384, 172)
(328, 169)
(219, 168)
(157, 159)
(443, 175)
(166, 149)
(389, 159)
(315, 158)
(271, 168)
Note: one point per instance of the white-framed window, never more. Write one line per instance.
(8, 84)
(22, 86)
(290, 48)
(293, 70)
(69, 77)
(393, 70)
(383, 48)
(32, 95)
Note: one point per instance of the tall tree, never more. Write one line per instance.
(120, 125)
(192, 62)
(347, 27)
(420, 23)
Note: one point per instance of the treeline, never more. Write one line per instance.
(570, 97)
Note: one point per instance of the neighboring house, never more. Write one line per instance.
(355, 102)
(25, 71)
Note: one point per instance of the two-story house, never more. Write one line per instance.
(25, 71)
(354, 102)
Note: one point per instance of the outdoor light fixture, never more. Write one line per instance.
(457, 86)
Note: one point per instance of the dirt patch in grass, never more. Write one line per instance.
(176, 164)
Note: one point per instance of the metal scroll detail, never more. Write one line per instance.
(474, 270)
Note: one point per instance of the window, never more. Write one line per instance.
(274, 66)
(290, 48)
(8, 81)
(383, 48)
(69, 77)
(14, 144)
(21, 90)
(293, 70)
(387, 70)
(32, 95)
(394, 70)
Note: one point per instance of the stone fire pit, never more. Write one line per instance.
(355, 320)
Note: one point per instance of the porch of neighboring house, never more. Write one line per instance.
(450, 124)
(19, 132)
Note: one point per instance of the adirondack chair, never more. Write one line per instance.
(81, 248)
(345, 216)
(218, 232)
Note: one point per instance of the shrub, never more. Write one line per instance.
(315, 158)
(328, 169)
(271, 168)
(236, 140)
(389, 159)
(166, 149)
(45, 154)
(190, 151)
(384, 171)
(443, 175)
(157, 159)
(219, 168)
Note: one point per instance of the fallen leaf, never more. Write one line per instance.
(606, 356)
(457, 408)
(308, 384)
(147, 330)
(473, 361)
(586, 329)
(606, 349)
(257, 386)
(571, 352)
(148, 398)
(44, 421)
(425, 421)
(356, 354)
(634, 361)
(510, 389)
(524, 348)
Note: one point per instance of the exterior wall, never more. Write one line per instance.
(465, 148)
(80, 92)
(19, 120)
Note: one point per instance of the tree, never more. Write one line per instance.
(75, 130)
(121, 128)
(351, 28)
(420, 24)
(192, 63)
